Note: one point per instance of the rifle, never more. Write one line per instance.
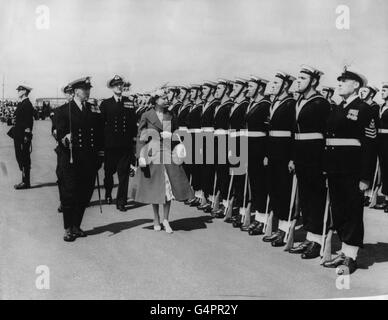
(292, 201)
(267, 229)
(214, 191)
(229, 206)
(376, 186)
(242, 210)
(326, 239)
(246, 218)
(290, 240)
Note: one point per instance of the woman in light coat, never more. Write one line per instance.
(159, 178)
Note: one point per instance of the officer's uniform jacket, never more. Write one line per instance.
(24, 118)
(309, 130)
(120, 127)
(350, 140)
(87, 128)
(280, 125)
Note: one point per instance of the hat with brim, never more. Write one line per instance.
(82, 83)
(311, 71)
(24, 87)
(384, 84)
(241, 81)
(258, 80)
(352, 75)
(210, 84)
(67, 89)
(115, 81)
(285, 76)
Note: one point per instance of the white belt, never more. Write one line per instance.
(220, 131)
(183, 129)
(194, 130)
(383, 130)
(280, 133)
(255, 134)
(207, 129)
(346, 142)
(234, 134)
(308, 136)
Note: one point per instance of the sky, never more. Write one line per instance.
(151, 42)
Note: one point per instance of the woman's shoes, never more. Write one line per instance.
(157, 227)
(167, 226)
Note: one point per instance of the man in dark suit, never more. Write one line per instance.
(120, 130)
(349, 159)
(22, 135)
(80, 132)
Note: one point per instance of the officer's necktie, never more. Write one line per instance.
(84, 108)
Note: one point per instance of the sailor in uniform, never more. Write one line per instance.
(281, 123)
(312, 111)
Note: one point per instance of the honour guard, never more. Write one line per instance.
(22, 134)
(312, 111)
(183, 115)
(221, 125)
(236, 125)
(383, 146)
(349, 160)
(172, 96)
(194, 129)
(281, 123)
(80, 132)
(207, 134)
(257, 125)
(120, 133)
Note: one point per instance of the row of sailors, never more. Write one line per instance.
(329, 150)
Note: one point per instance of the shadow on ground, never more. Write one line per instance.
(117, 227)
(188, 224)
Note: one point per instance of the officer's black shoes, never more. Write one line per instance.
(312, 251)
(69, 236)
(272, 237)
(345, 264)
(366, 201)
(301, 248)
(208, 209)
(78, 233)
(204, 206)
(121, 207)
(253, 225)
(108, 199)
(22, 186)
(60, 209)
(258, 230)
(219, 214)
(195, 203)
(279, 240)
(381, 206)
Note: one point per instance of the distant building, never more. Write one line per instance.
(52, 102)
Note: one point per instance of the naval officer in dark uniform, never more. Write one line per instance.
(80, 131)
(22, 135)
(349, 160)
(120, 130)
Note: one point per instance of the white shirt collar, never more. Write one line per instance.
(117, 98)
(350, 99)
(78, 102)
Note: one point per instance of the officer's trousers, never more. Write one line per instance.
(118, 160)
(347, 208)
(77, 184)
